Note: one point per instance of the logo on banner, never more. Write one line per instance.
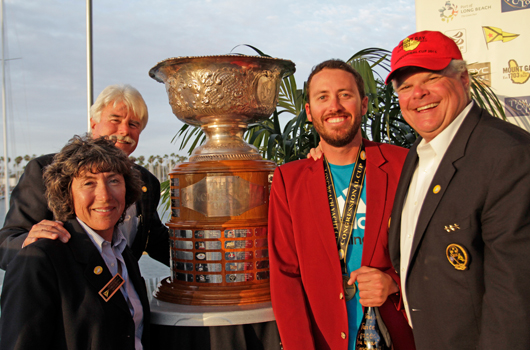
(492, 34)
(459, 37)
(518, 74)
(481, 71)
(469, 10)
(517, 106)
(448, 12)
(514, 5)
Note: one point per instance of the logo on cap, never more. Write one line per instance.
(410, 44)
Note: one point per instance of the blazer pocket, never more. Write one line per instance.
(455, 227)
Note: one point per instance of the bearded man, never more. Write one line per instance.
(314, 256)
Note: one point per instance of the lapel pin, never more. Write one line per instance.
(98, 270)
(144, 189)
(452, 228)
(457, 256)
(389, 219)
(436, 189)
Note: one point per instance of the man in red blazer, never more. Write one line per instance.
(307, 290)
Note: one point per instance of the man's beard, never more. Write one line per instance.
(338, 140)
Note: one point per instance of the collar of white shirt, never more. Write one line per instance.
(118, 239)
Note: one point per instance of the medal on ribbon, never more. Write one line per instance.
(343, 224)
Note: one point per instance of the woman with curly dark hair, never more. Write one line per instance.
(87, 293)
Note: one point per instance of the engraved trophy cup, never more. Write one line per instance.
(219, 200)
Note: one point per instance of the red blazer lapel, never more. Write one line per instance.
(319, 211)
(376, 183)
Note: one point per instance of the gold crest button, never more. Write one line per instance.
(98, 270)
(457, 256)
(436, 189)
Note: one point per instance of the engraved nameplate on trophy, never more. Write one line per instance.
(222, 196)
(208, 245)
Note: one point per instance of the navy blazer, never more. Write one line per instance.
(50, 298)
(484, 194)
(28, 206)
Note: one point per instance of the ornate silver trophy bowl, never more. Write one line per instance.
(223, 95)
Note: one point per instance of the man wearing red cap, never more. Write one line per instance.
(460, 229)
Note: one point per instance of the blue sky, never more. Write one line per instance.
(46, 76)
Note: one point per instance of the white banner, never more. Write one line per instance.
(494, 37)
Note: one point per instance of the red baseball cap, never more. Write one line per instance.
(428, 49)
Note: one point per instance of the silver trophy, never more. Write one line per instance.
(219, 200)
(222, 95)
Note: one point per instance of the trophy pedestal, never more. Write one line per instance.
(218, 233)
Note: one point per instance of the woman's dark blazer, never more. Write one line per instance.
(50, 298)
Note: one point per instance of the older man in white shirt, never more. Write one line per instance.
(460, 230)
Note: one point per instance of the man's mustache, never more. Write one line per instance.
(117, 138)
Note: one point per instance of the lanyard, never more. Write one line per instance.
(343, 225)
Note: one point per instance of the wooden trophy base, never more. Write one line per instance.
(218, 233)
(193, 295)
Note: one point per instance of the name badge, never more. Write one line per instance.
(112, 287)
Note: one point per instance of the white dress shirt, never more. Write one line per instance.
(430, 155)
(112, 255)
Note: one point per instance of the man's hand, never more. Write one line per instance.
(47, 229)
(315, 153)
(373, 285)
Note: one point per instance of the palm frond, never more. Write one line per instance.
(485, 97)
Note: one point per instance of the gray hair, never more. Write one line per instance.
(120, 93)
(454, 68)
